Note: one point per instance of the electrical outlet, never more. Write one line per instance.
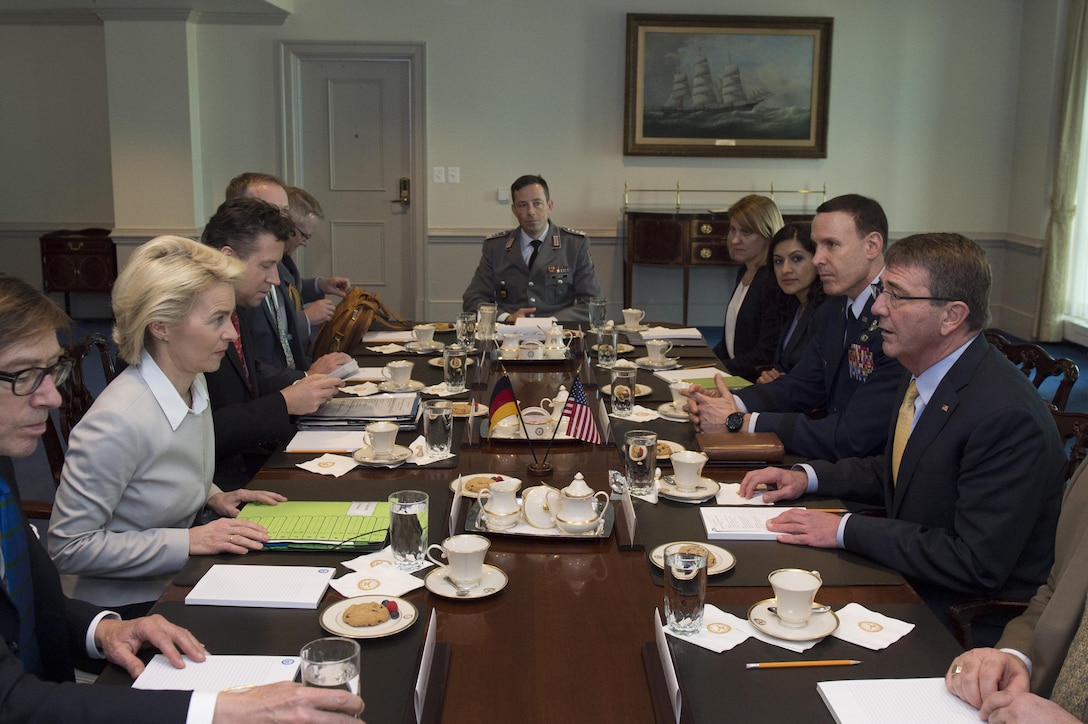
(439, 175)
(453, 174)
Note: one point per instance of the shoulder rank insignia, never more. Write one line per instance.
(569, 230)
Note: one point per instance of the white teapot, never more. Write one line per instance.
(575, 506)
(557, 403)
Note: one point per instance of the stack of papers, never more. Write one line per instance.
(895, 701)
(740, 523)
(261, 586)
(218, 672)
(321, 525)
(353, 413)
(702, 376)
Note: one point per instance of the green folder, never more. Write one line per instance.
(321, 525)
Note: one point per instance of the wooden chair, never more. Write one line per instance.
(1072, 426)
(1038, 366)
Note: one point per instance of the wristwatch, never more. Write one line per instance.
(734, 422)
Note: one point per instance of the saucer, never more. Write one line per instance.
(723, 559)
(424, 348)
(641, 390)
(647, 364)
(367, 456)
(819, 626)
(455, 484)
(636, 328)
(332, 618)
(412, 386)
(441, 362)
(621, 348)
(703, 490)
(674, 447)
(463, 409)
(671, 412)
(492, 581)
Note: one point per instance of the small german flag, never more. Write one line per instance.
(503, 403)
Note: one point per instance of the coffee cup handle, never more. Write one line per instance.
(435, 560)
(386, 373)
(668, 349)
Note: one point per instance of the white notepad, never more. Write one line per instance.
(326, 441)
(895, 701)
(261, 586)
(217, 672)
(740, 523)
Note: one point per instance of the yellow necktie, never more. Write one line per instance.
(902, 428)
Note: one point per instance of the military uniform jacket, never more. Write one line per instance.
(560, 284)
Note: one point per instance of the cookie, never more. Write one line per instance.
(370, 613)
(478, 482)
(711, 560)
(663, 449)
(462, 409)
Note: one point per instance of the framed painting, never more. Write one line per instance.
(718, 85)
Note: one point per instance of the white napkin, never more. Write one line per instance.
(440, 390)
(667, 333)
(420, 456)
(380, 559)
(363, 390)
(651, 497)
(720, 631)
(390, 348)
(729, 494)
(640, 414)
(329, 464)
(385, 580)
(870, 629)
(625, 364)
(795, 646)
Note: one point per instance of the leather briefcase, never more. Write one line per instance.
(353, 317)
(741, 446)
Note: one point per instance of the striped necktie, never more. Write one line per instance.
(902, 429)
(17, 577)
(1070, 691)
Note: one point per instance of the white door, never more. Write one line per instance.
(351, 146)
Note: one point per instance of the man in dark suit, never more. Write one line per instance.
(253, 412)
(971, 478)
(1031, 675)
(844, 371)
(42, 630)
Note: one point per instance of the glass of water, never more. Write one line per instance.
(640, 460)
(408, 528)
(606, 347)
(466, 330)
(685, 586)
(438, 426)
(623, 390)
(485, 325)
(454, 367)
(331, 663)
(598, 312)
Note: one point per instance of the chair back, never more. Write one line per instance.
(1038, 366)
(1072, 426)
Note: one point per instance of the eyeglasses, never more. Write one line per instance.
(303, 234)
(26, 382)
(894, 299)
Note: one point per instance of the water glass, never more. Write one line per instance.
(623, 390)
(485, 324)
(606, 347)
(408, 529)
(598, 313)
(331, 663)
(685, 587)
(438, 426)
(466, 330)
(640, 460)
(454, 366)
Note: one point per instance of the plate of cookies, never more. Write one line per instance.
(469, 409)
(720, 559)
(665, 449)
(471, 484)
(368, 617)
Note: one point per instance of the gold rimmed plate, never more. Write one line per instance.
(332, 618)
(721, 562)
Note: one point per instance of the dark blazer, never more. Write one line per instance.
(787, 353)
(61, 626)
(1046, 629)
(854, 382)
(308, 292)
(759, 326)
(979, 491)
(248, 424)
(263, 343)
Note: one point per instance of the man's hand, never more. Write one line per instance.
(226, 535)
(228, 504)
(1016, 707)
(327, 363)
(523, 312)
(340, 286)
(309, 393)
(708, 409)
(981, 672)
(768, 375)
(287, 702)
(807, 528)
(320, 311)
(782, 484)
(120, 640)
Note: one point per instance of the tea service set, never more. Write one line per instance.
(571, 511)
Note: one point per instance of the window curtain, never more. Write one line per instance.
(1052, 300)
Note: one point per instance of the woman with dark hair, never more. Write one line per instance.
(790, 255)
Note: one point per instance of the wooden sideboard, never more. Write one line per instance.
(78, 261)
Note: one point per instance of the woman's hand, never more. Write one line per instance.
(227, 504)
(226, 535)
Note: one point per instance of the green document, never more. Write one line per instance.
(321, 525)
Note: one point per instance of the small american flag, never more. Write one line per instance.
(581, 425)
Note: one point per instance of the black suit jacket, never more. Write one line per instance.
(248, 424)
(759, 326)
(61, 627)
(976, 505)
(262, 343)
(787, 353)
(307, 291)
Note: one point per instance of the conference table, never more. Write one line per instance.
(574, 635)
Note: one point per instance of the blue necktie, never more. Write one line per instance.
(17, 577)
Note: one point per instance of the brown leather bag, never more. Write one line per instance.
(351, 320)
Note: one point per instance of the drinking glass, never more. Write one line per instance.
(438, 426)
(466, 330)
(485, 325)
(640, 459)
(598, 313)
(454, 366)
(408, 528)
(331, 663)
(623, 390)
(606, 347)
(685, 586)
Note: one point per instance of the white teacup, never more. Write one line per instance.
(511, 343)
(678, 400)
(658, 350)
(538, 423)
(531, 349)
(399, 372)
(687, 468)
(424, 334)
(794, 591)
(465, 558)
(383, 436)
(632, 317)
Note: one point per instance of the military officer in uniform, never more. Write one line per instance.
(537, 269)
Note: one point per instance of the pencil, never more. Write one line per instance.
(801, 664)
